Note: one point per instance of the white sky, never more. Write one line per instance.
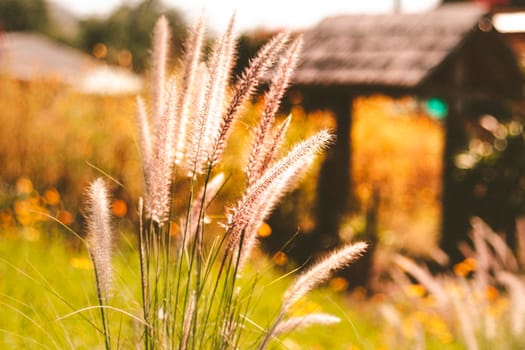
(252, 14)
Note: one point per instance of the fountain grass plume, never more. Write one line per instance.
(294, 323)
(423, 276)
(189, 97)
(516, 288)
(245, 88)
(321, 271)
(275, 144)
(145, 137)
(260, 198)
(213, 101)
(318, 273)
(158, 145)
(161, 37)
(192, 296)
(263, 147)
(99, 240)
(99, 236)
(161, 166)
(280, 179)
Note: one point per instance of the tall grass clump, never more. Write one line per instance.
(195, 292)
(481, 304)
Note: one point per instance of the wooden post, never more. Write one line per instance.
(333, 192)
(335, 197)
(455, 221)
(455, 215)
(333, 185)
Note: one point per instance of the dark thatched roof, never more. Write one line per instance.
(392, 50)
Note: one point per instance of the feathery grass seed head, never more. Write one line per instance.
(245, 87)
(208, 122)
(162, 163)
(161, 37)
(260, 198)
(189, 97)
(262, 145)
(145, 140)
(321, 272)
(99, 233)
(300, 322)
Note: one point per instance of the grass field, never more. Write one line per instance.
(45, 280)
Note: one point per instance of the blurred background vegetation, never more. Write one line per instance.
(54, 140)
(125, 33)
(121, 38)
(62, 138)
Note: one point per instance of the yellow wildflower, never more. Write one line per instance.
(81, 263)
(338, 284)
(465, 267)
(265, 230)
(24, 186)
(52, 197)
(491, 293)
(119, 208)
(65, 217)
(416, 290)
(280, 258)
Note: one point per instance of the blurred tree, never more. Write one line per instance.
(492, 168)
(24, 15)
(125, 36)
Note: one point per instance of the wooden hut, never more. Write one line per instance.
(452, 53)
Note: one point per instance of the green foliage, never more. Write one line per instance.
(24, 15)
(492, 170)
(37, 298)
(129, 28)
